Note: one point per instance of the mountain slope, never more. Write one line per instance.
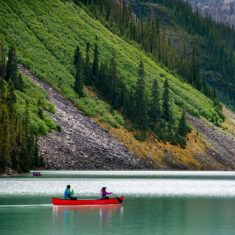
(46, 34)
(221, 11)
(186, 30)
(81, 143)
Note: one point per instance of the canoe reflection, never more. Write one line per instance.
(111, 208)
(103, 212)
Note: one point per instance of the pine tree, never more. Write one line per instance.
(1, 90)
(103, 83)
(79, 81)
(4, 138)
(77, 60)
(141, 118)
(166, 102)
(2, 70)
(87, 67)
(2, 61)
(183, 128)
(194, 70)
(18, 83)
(25, 140)
(95, 65)
(79, 78)
(114, 82)
(11, 97)
(12, 70)
(155, 108)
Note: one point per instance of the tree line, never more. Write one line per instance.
(18, 142)
(145, 114)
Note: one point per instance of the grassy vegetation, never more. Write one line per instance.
(37, 100)
(46, 34)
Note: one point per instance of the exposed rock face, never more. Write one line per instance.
(81, 143)
(220, 10)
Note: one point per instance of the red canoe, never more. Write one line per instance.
(86, 202)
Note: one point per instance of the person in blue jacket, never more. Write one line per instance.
(68, 193)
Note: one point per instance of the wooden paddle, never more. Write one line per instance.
(118, 198)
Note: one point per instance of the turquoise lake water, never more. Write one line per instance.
(174, 203)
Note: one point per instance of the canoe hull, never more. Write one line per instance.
(85, 202)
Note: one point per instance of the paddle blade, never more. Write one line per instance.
(119, 199)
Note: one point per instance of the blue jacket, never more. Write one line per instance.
(67, 193)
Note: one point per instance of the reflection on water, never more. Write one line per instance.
(70, 215)
(105, 212)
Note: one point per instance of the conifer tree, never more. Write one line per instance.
(12, 70)
(141, 118)
(2, 61)
(11, 97)
(79, 79)
(114, 81)
(2, 71)
(155, 108)
(5, 144)
(95, 64)
(87, 67)
(166, 102)
(194, 70)
(77, 60)
(103, 83)
(18, 84)
(126, 103)
(183, 127)
(1, 90)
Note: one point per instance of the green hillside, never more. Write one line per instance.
(214, 41)
(46, 34)
(38, 100)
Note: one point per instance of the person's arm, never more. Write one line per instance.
(70, 192)
(108, 193)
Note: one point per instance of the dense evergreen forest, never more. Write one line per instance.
(207, 64)
(216, 46)
(18, 142)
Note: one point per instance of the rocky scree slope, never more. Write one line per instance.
(220, 145)
(81, 143)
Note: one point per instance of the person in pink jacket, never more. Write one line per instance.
(104, 193)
